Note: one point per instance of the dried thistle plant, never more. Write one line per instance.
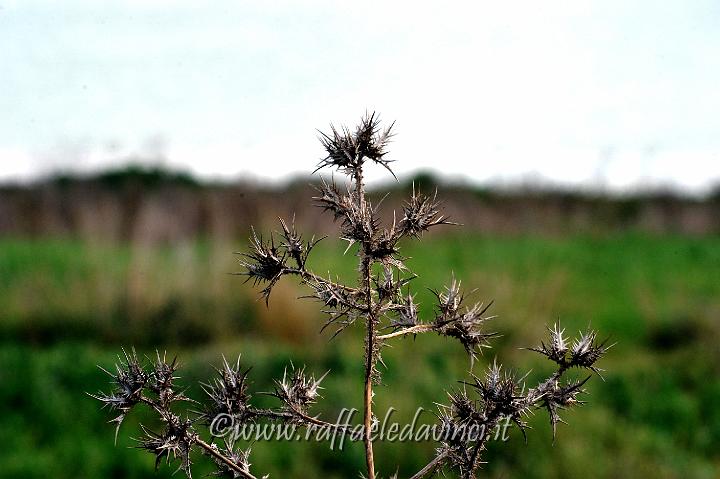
(381, 302)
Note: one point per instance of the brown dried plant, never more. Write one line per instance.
(381, 302)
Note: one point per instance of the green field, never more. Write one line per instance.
(67, 306)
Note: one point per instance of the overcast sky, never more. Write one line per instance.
(617, 93)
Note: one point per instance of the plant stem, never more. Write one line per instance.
(208, 449)
(434, 464)
(369, 367)
(370, 325)
(420, 328)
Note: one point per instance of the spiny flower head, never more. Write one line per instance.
(129, 381)
(466, 326)
(386, 286)
(556, 397)
(420, 213)
(229, 392)
(162, 380)
(330, 296)
(348, 150)
(294, 245)
(584, 351)
(501, 394)
(407, 313)
(384, 249)
(265, 263)
(298, 390)
(449, 300)
(174, 443)
(498, 387)
(556, 348)
(330, 199)
(464, 410)
(358, 223)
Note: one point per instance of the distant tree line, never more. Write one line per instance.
(155, 206)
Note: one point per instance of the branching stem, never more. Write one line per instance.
(420, 328)
(431, 467)
(211, 451)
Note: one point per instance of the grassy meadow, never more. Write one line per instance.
(67, 306)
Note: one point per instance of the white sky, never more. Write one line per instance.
(618, 93)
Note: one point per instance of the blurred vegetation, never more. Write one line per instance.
(132, 175)
(67, 305)
(152, 206)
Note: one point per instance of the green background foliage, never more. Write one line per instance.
(66, 306)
